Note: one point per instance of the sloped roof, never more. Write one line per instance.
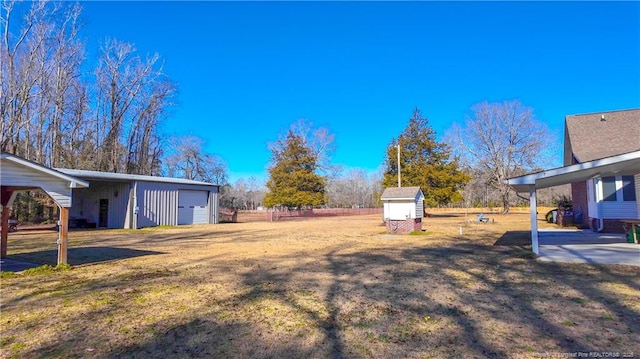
(110, 176)
(602, 134)
(619, 165)
(401, 193)
(73, 182)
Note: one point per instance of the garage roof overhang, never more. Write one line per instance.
(624, 164)
(110, 176)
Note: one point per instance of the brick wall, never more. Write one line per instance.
(579, 200)
(405, 226)
(609, 225)
(613, 226)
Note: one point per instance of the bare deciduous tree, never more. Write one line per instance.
(502, 140)
(186, 158)
(320, 141)
(354, 188)
(132, 94)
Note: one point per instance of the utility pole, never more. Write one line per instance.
(399, 181)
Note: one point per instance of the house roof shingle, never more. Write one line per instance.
(602, 134)
(400, 193)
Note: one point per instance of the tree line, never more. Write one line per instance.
(56, 112)
(496, 142)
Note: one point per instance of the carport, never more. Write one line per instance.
(623, 164)
(18, 174)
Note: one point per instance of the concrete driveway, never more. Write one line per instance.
(586, 246)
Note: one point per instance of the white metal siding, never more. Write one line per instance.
(399, 210)
(15, 174)
(419, 208)
(158, 203)
(87, 203)
(213, 207)
(192, 207)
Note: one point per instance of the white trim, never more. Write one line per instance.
(533, 204)
(97, 175)
(73, 182)
(626, 163)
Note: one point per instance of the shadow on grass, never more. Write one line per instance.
(457, 299)
(514, 238)
(83, 255)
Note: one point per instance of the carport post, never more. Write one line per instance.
(4, 236)
(534, 218)
(6, 197)
(63, 235)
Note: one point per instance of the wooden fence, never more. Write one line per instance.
(274, 216)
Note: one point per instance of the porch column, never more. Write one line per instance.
(5, 199)
(534, 218)
(63, 235)
(4, 236)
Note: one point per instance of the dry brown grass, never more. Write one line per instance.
(332, 287)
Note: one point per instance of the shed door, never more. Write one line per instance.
(192, 207)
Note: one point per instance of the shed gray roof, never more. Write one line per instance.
(598, 135)
(400, 193)
(110, 176)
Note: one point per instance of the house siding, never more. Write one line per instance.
(58, 189)
(87, 203)
(619, 210)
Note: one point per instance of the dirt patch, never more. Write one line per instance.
(334, 287)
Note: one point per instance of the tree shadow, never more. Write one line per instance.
(83, 255)
(514, 238)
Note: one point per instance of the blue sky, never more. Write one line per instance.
(246, 70)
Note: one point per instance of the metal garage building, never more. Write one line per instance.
(116, 200)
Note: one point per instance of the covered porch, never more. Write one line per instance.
(18, 174)
(586, 246)
(623, 164)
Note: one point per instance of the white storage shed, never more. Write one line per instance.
(403, 209)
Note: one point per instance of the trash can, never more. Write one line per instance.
(567, 218)
(630, 235)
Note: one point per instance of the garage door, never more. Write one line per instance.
(192, 207)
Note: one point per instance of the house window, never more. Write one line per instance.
(609, 189)
(628, 188)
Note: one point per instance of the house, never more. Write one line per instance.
(403, 209)
(601, 202)
(602, 163)
(116, 200)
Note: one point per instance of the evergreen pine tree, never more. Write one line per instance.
(424, 162)
(293, 181)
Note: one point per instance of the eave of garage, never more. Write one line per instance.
(623, 164)
(35, 176)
